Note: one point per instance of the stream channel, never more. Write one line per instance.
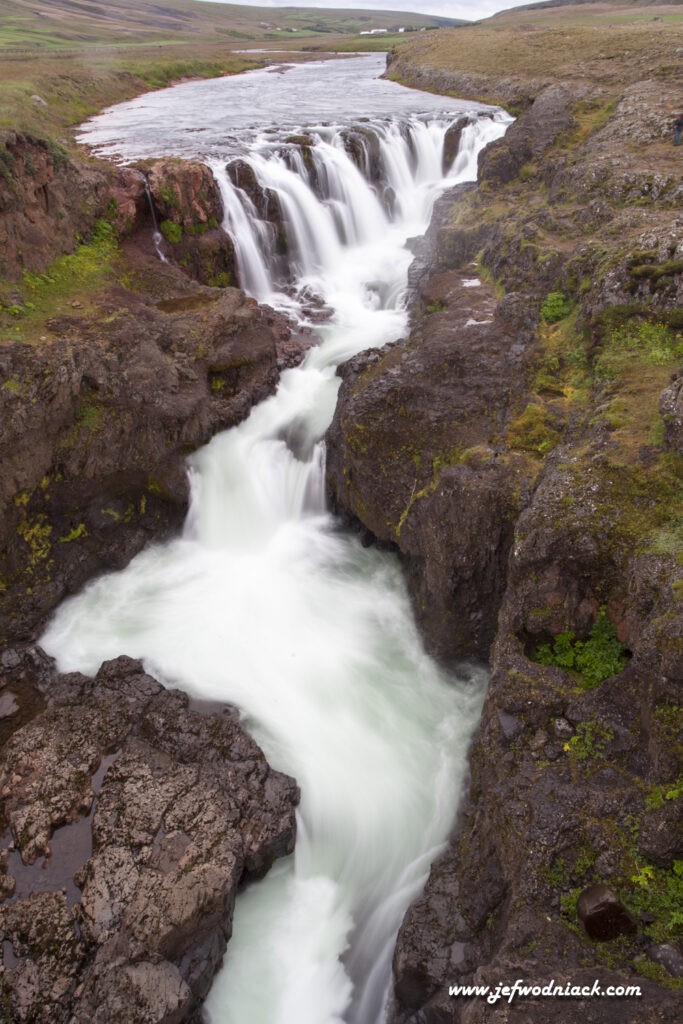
(265, 601)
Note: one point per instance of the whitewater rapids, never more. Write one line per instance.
(264, 601)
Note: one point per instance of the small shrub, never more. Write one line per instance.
(220, 280)
(60, 155)
(659, 891)
(555, 307)
(172, 232)
(589, 741)
(600, 656)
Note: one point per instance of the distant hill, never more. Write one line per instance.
(56, 24)
(543, 4)
(597, 5)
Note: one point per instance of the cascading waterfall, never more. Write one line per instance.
(265, 602)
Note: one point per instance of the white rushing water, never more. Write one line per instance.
(265, 602)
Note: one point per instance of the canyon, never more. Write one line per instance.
(519, 449)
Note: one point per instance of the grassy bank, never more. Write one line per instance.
(610, 45)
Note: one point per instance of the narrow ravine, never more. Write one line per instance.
(265, 601)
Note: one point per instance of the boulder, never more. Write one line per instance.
(181, 808)
(602, 913)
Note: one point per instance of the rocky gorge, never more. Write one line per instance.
(529, 476)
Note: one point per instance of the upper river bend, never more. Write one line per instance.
(264, 601)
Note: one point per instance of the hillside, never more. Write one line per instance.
(65, 24)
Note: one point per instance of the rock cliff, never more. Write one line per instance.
(521, 450)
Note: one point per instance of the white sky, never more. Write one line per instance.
(472, 11)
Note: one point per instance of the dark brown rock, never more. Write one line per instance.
(208, 257)
(451, 142)
(412, 456)
(130, 197)
(362, 145)
(603, 915)
(185, 193)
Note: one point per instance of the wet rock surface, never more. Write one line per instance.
(187, 810)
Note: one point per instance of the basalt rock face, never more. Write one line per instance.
(521, 450)
(412, 455)
(549, 115)
(170, 809)
(97, 422)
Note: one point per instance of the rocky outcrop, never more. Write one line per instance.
(98, 419)
(47, 202)
(178, 808)
(189, 211)
(527, 139)
(413, 455)
(185, 193)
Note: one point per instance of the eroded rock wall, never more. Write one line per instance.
(520, 450)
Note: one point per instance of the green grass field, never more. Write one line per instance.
(59, 24)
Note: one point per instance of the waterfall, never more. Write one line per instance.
(265, 602)
(157, 237)
(328, 205)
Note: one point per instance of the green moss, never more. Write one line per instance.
(37, 534)
(171, 231)
(220, 280)
(168, 196)
(658, 891)
(76, 534)
(60, 155)
(662, 793)
(656, 271)
(532, 432)
(654, 343)
(89, 416)
(71, 276)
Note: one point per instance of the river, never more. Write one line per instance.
(265, 601)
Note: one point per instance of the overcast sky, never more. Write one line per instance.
(472, 11)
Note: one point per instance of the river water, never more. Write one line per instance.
(264, 601)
